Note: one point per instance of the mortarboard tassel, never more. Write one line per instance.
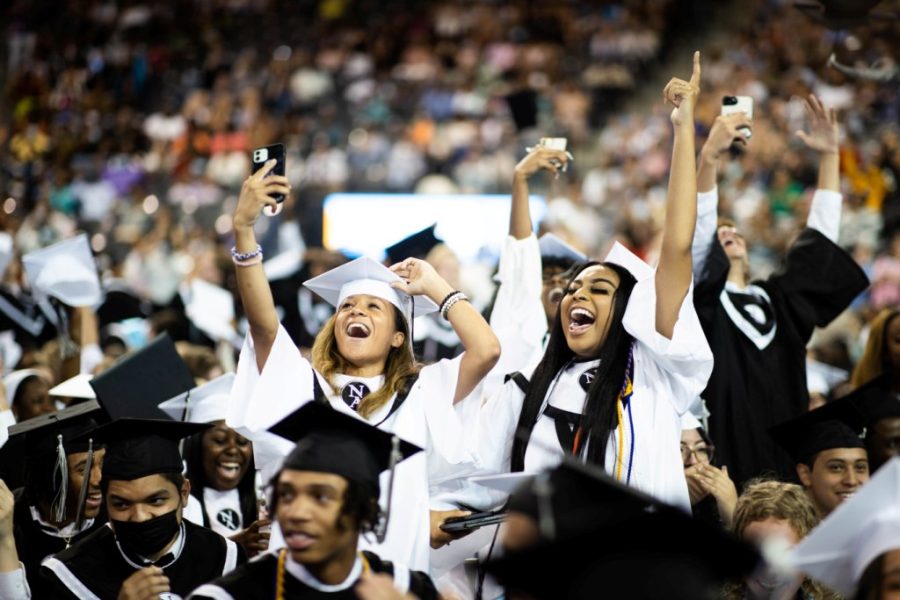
(60, 470)
(67, 347)
(85, 484)
(396, 457)
(543, 490)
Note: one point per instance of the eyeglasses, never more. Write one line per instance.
(703, 452)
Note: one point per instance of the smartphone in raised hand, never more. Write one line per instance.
(260, 157)
(737, 104)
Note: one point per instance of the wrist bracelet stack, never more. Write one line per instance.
(451, 299)
(247, 259)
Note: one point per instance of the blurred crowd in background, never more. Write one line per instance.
(134, 121)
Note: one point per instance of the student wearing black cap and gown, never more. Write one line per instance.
(650, 550)
(325, 497)
(758, 330)
(829, 454)
(879, 408)
(61, 502)
(362, 365)
(148, 547)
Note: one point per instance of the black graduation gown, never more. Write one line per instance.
(34, 543)
(759, 376)
(96, 563)
(22, 315)
(256, 581)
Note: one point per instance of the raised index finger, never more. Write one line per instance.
(695, 75)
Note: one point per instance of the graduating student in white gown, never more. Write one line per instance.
(625, 357)
(366, 343)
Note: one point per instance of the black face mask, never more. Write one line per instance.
(146, 538)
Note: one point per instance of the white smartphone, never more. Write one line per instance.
(734, 104)
(554, 143)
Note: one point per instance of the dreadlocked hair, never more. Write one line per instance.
(599, 417)
(398, 367)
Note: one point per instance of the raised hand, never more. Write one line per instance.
(420, 278)
(255, 195)
(724, 133)
(683, 94)
(717, 483)
(254, 539)
(823, 127)
(540, 157)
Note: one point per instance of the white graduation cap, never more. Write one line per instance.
(12, 382)
(857, 532)
(203, 404)
(211, 309)
(366, 276)
(66, 271)
(75, 387)
(6, 252)
(627, 259)
(553, 245)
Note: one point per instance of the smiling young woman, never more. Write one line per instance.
(362, 365)
(625, 355)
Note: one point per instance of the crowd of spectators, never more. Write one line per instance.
(135, 124)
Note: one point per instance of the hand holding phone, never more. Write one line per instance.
(739, 104)
(260, 157)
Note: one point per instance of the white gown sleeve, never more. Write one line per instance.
(259, 399)
(707, 218)
(14, 585)
(7, 420)
(518, 318)
(685, 362)
(825, 214)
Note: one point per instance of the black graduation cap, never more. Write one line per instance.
(137, 448)
(875, 400)
(329, 441)
(41, 435)
(836, 425)
(417, 245)
(44, 442)
(135, 385)
(633, 547)
(576, 495)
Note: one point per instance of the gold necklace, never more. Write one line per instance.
(279, 574)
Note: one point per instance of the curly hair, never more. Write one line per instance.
(875, 359)
(764, 499)
(400, 364)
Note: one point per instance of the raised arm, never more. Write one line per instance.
(13, 584)
(482, 348)
(673, 275)
(540, 157)
(825, 211)
(722, 135)
(256, 295)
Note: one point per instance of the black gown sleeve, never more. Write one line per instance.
(710, 284)
(816, 282)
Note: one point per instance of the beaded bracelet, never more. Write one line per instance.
(245, 256)
(451, 302)
(255, 260)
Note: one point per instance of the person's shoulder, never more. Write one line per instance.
(250, 580)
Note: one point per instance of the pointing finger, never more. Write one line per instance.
(695, 75)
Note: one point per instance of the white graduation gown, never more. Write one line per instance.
(427, 418)
(668, 375)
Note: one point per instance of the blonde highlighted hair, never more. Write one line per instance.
(875, 359)
(398, 367)
(764, 499)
